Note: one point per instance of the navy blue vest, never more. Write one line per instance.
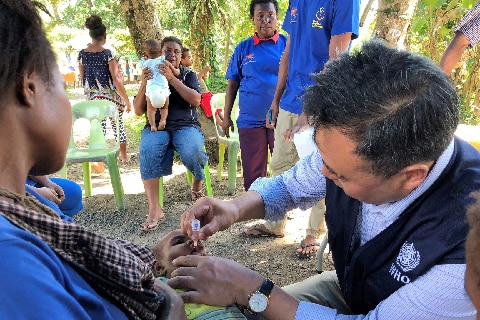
(431, 231)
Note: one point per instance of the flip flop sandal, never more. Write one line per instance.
(150, 225)
(197, 194)
(302, 246)
(262, 233)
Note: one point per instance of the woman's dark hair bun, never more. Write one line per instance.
(93, 22)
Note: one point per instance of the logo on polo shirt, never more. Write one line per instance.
(408, 259)
(319, 17)
(293, 14)
(248, 58)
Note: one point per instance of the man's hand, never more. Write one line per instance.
(213, 280)
(214, 215)
(299, 125)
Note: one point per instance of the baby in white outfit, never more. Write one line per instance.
(157, 91)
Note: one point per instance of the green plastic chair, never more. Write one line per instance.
(232, 143)
(208, 182)
(89, 144)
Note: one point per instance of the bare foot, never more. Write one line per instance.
(153, 127)
(308, 247)
(153, 218)
(161, 125)
(124, 157)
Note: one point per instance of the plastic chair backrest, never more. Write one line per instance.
(89, 142)
(87, 132)
(218, 102)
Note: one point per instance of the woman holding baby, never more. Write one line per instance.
(182, 132)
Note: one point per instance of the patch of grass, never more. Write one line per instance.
(71, 94)
(133, 127)
(131, 92)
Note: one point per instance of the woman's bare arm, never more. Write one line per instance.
(140, 100)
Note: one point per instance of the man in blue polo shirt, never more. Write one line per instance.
(317, 31)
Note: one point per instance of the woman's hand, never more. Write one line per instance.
(213, 280)
(128, 105)
(227, 125)
(147, 74)
(274, 109)
(56, 196)
(168, 70)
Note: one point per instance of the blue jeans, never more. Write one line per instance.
(73, 196)
(156, 152)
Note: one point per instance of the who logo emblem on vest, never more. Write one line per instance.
(408, 259)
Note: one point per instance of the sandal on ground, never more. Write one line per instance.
(315, 246)
(260, 231)
(197, 195)
(150, 225)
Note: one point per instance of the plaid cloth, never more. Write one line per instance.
(469, 25)
(118, 270)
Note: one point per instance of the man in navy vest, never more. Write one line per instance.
(396, 183)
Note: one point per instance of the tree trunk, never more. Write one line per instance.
(142, 22)
(393, 20)
(201, 26)
(226, 59)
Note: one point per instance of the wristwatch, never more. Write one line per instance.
(258, 300)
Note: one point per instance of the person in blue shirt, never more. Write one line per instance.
(397, 184)
(253, 74)
(318, 31)
(53, 268)
(62, 195)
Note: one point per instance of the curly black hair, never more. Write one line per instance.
(97, 29)
(255, 2)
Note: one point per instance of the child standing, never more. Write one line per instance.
(157, 91)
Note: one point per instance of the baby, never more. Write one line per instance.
(173, 245)
(157, 91)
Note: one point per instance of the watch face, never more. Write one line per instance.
(258, 302)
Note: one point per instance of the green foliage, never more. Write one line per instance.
(217, 84)
(65, 29)
(123, 43)
(133, 127)
(213, 28)
(430, 33)
(75, 13)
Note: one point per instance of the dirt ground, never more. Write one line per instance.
(272, 257)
